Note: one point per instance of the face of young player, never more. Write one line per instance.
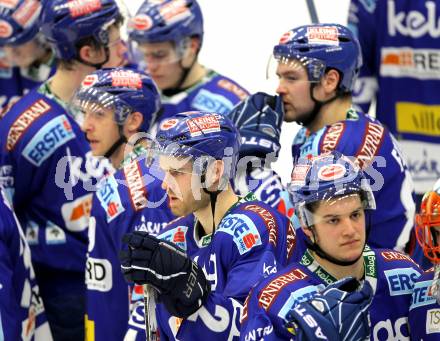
(24, 55)
(163, 63)
(294, 89)
(183, 188)
(117, 48)
(101, 130)
(340, 227)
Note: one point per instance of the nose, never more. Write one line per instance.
(166, 182)
(349, 227)
(281, 89)
(87, 125)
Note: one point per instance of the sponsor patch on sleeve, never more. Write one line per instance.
(208, 101)
(401, 280)
(243, 231)
(109, 198)
(176, 236)
(52, 135)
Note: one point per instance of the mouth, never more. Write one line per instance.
(351, 243)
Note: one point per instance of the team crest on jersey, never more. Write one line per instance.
(25, 120)
(136, 188)
(176, 236)
(323, 35)
(141, 22)
(32, 229)
(243, 231)
(52, 135)
(109, 198)
(27, 13)
(268, 219)
(203, 125)
(271, 290)
(208, 101)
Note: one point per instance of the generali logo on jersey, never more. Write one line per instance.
(413, 24)
(36, 110)
(136, 187)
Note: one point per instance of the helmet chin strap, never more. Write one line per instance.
(118, 143)
(321, 253)
(212, 197)
(311, 116)
(185, 72)
(97, 65)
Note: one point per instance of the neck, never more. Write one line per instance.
(356, 270)
(65, 82)
(194, 76)
(330, 113)
(225, 200)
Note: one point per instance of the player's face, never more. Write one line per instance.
(163, 63)
(340, 227)
(101, 130)
(24, 55)
(117, 49)
(183, 188)
(294, 89)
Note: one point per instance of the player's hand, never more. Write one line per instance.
(339, 312)
(259, 118)
(181, 283)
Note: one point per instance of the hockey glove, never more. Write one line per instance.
(259, 118)
(181, 283)
(339, 312)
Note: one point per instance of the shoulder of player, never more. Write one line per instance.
(391, 259)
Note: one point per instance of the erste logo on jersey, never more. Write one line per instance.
(208, 101)
(138, 192)
(243, 231)
(27, 13)
(401, 281)
(79, 8)
(421, 295)
(271, 290)
(176, 236)
(24, 121)
(323, 35)
(109, 198)
(203, 125)
(49, 137)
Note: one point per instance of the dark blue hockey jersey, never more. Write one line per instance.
(424, 312)
(375, 150)
(21, 307)
(50, 173)
(130, 199)
(401, 53)
(251, 242)
(390, 273)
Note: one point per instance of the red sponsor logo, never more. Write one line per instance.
(112, 208)
(127, 79)
(27, 13)
(79, 8)
(138, 193)
(250, 240)
(24, 121)
(141, 22)
(5, 29)
(323, 35)
(291, 239)
(203, 125)
(234, 88)
(174, 11)
(179, 236)
(168, 124)
(332, 137)
(394, 255)
(286, 37)
(271, 291)
(269, 221)
(89, 81)
(331, 172)
(244, 314)
(8, 3)
(372, 141)
(81, 210)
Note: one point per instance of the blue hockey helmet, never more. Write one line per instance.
(121, 90)
(168, 20)
(320, 47)
(200, 136)
(65, 23)
(324, 178)
(19, 21)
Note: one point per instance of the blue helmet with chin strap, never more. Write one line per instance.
(198, 135)
(19, 21)
(320, 47)
(122, 90)
(168, 20)
(65, 23)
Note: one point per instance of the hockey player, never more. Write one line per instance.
(28, 60)
(317, 66)
(22, 314)
(50, 170)
(333, 200)
(117, 104)
(424, 312)
(203, 270)
(399, 43)
(170, 36)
